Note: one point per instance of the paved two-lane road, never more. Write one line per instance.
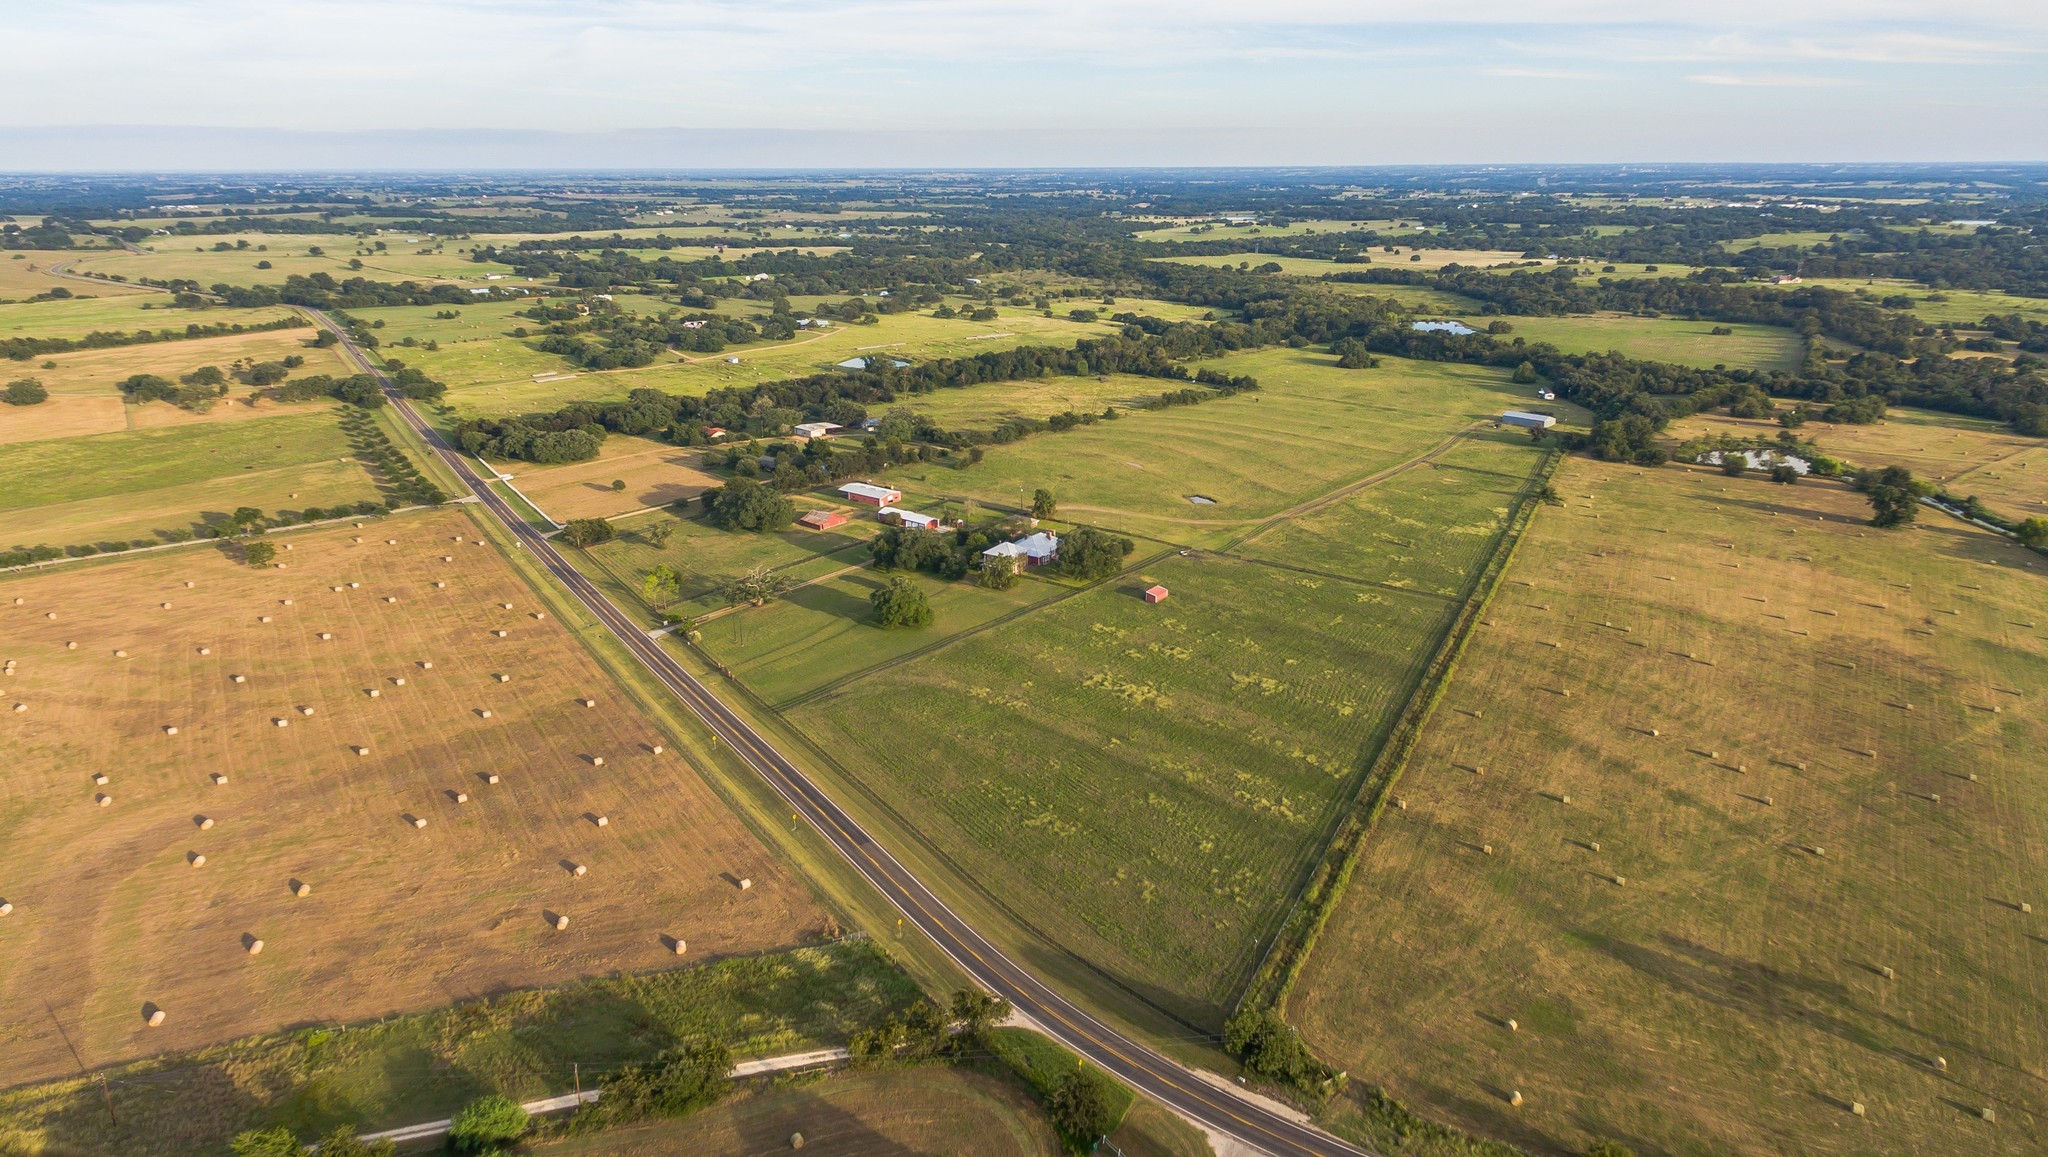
(1219, 1108)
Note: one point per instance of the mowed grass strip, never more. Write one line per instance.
(111, 911)
(126, 313)
(706, 558)
(1725, 789)
(1143, 783)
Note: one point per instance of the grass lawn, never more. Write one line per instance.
(525, 1045)
(1666, 339)
(1964, 307)
(1310, 428)
(80, 489)
(880, 1113)
(1799, 683)
(1968, 456)
(986, 406)
(1414, 298)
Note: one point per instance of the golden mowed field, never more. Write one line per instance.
(1734, 808)
(114, 914)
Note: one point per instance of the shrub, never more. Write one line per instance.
(486, 1126)
(1080, 1106)
(259, 554)
(1271, 1050)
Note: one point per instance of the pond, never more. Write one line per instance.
(1456, 327)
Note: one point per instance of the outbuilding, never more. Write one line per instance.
(1527, 420)
(1155, 594)
(821, 520)
(869, 494)
(817, 429)
(901, 517)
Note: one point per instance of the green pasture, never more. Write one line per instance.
(1311, 428)
(821, 633)
(1665, 339)
(128, 312)
(1147, 782)
(1963, 307)
(98, 483)
(167, 257)
(1414, 298)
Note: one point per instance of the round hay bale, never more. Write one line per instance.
(390, 542)
(502, 677)
(206, 650)
(335, 589)
(284, 602)
(205, 823)
(679, 946)
(196, 859)
(103, 799)
(255, 947)
(305, 710)
(323, 636)
(447, 558)
(170, 730)
(796, 1140)
(419, 821)
(220, 779)
(21, 706)
(262, 618)
(6, 909)
(99, 778)
(166, 606)
(540, 614)
(561, 923)
(354, 586)
(597, 761)
(155, 1018)
(398, 680)
(120, 654)
(188, 584)
(301, 890)
(578, 870)
(440, 586)
(426, 664)
(49, 614)
(491, 777)
(745, 884)
(362, 751)
(68, 646)
(483, 713)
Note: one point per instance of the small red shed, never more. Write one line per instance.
(822, 520)
(1155, 594)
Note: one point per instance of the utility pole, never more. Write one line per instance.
(110, 1101)
(578, 1067)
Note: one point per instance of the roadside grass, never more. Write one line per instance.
(819, 634)
(77, 489)
(1731, 998)
(873, 1113)
(402, 1070)
(1666, 339)
(706, 557)
(1310, 428)
(1967, 456)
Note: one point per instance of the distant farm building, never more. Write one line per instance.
(714, 431)
(1036, 550)
(901, 517)
(1527, 420)
(1155, 594)
(862, 363)
(867, 493)
(817, 429)
(1547, 395)
(822, 520)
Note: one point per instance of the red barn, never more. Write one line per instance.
(1155, 594)
(822, 519)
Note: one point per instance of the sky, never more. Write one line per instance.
(133, 84)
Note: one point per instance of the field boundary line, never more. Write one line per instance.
(1275, 978)
(1348, 489)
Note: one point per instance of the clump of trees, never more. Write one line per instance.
(1894, 495)
(744, 504)
(1270, 1050)
(901, 603)
(677, 1082)
(1088, 553)
(24, 392)
(584, 533)
(486, 1127)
